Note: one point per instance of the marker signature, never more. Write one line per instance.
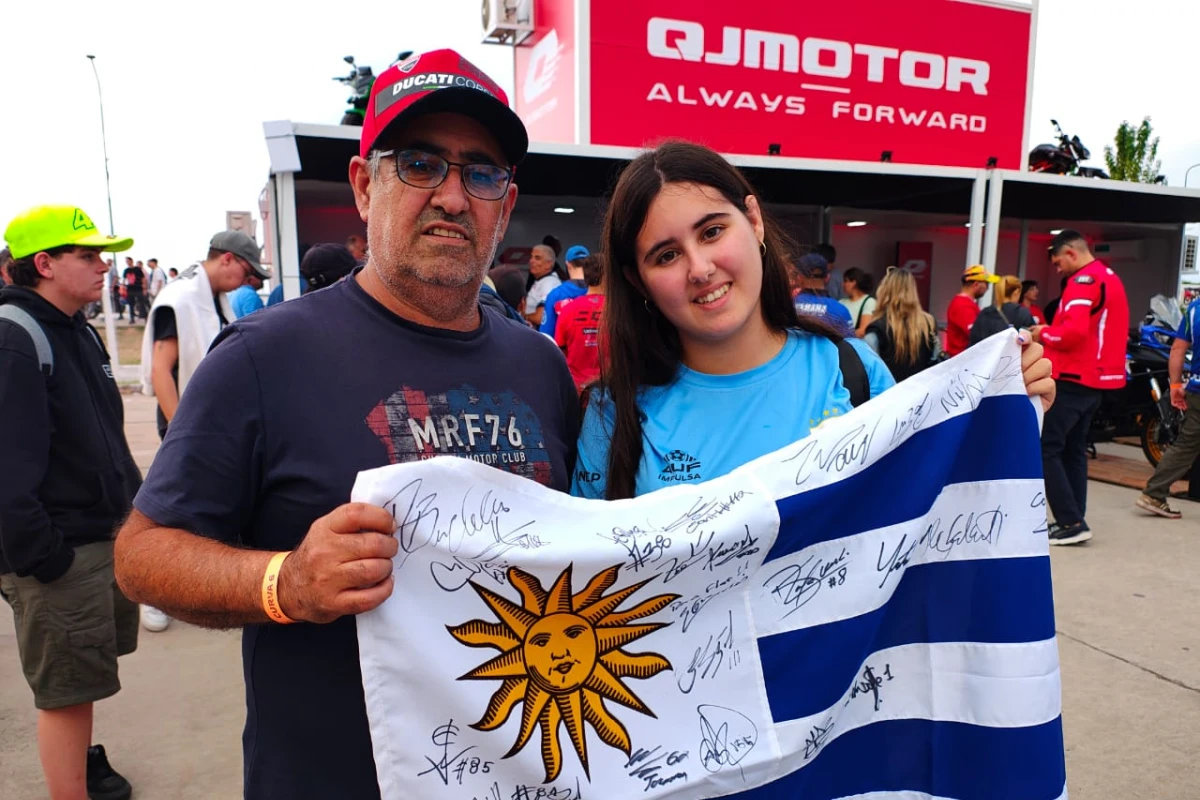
(726, 737)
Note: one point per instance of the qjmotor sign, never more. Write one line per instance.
(940, 82)
(545, 74)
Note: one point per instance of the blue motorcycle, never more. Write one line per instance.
(1142, 409)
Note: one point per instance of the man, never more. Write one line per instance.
(964, 308)
(1180, 456)
(578, 329)
(172, 274)
(135, 290)
(187, 316)
(69, 479)
(565, 293)
(358, 248)
(510, 286)
(543, 280)
(394, 363)
(829, 253)
(158, 279)
(810, 287)
(5, 260)
(1086, 344)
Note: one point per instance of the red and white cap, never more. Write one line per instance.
(442, 81)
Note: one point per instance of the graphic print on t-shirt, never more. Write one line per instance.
(680, 468)
(494, 428)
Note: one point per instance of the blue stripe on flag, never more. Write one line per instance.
(991, 600)
(983, 449)
(943, 759)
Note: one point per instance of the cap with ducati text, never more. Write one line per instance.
(242, 246)
(442, 80)
(46, 227)
(978, 273)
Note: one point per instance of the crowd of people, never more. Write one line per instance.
(695, 308)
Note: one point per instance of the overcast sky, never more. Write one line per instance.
(187, 87)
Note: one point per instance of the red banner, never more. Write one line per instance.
(917, 258)
(940, 82)
(544, 75)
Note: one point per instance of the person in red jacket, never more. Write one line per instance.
(964, 308)
(1086, 345)
(578, 327)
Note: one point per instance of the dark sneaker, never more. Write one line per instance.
(104, 782)
(1077, 533)
(1156, 506)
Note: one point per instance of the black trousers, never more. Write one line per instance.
(1064, 451)
(137, 304)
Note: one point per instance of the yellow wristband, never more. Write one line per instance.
(270, 589)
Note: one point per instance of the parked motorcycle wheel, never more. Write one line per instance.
(1156, 439)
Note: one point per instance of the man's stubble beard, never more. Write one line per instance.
(441, 293)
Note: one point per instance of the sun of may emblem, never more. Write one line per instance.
(561, 658)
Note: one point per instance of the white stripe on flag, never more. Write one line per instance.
(993, 685)
(969, 521)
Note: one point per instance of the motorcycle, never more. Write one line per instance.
(1063, 158)
(360, 80)
(1142, 409)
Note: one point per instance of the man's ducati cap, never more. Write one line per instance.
(442, 81)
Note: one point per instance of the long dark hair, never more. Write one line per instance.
(643, 347)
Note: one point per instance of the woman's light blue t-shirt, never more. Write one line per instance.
(701, 427)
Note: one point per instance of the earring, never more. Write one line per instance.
(762, 246)
(646, 303)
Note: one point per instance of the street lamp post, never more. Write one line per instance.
(110, 326)
(112, 231)
(1189, 172)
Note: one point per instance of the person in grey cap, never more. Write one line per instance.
(186, 316)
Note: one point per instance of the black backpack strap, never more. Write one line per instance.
(854, 373)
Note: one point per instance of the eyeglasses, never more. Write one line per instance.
(250, 273)
(428, 171)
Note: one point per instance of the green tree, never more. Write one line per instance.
(1135, 155)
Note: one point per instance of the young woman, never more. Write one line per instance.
(903, 335)
(709, 366)
(1005, 312)
(857, 286)
(1029, 298)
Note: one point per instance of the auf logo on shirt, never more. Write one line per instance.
(681, 468)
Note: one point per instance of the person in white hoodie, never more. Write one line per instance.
(186, 316)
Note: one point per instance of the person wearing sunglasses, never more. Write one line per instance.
(397, 362)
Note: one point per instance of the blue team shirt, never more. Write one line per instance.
(566, 291)
(826, 308)
(1189, 331)
(701, 427)
(245, 300)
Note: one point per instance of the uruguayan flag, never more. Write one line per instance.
(865, 613)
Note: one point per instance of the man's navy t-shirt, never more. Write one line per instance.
(285, 410)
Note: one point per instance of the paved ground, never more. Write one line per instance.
(1128, 635)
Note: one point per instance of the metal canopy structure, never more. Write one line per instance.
(315, 154)
(1038, 196)
(1030, 195)
(321, 153)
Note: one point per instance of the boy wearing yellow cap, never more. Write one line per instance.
(69, 480)
(964, 308)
